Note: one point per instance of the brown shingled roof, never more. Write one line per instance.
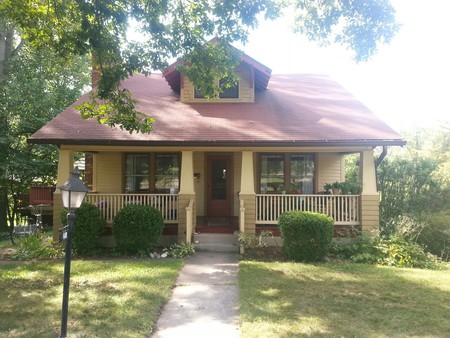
(295, 110)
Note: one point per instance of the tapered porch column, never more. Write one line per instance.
(65, 166)
(247, 193)
(187, 192)
(370, 201)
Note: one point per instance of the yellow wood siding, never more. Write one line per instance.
(370, 213)
(109, 172)
(246, 90)
(330, 168)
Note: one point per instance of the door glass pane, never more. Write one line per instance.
(167, 173)
(219, 180)
(272, 174)
(302, 174)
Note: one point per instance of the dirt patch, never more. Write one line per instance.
(6, 253)
(265, 254)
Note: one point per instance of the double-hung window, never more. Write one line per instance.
(152, 173)
(290, 173)
(167, 173)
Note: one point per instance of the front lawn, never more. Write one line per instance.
(107, 299)
(342, 300)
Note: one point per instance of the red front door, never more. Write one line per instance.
(219, 186)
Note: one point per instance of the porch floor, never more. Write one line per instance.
(217, 225)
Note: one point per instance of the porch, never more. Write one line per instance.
(227, 185)
(344, 209)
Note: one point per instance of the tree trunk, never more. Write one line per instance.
(6, 52)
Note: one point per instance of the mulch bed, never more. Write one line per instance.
(264, 254)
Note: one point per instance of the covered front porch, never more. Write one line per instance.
(240, 197)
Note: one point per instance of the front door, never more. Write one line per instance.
(219, 186)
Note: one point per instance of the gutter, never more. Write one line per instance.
(221, 143)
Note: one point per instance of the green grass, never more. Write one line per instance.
(107, 299)
(342, 300)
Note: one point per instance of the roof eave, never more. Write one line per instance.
(223, 143)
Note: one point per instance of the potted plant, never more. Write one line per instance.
(336, 187)
(327, 188)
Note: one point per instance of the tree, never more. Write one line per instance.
(179, 28)
(415, 189)
(38, 86)
(359, 25)
(7, 51)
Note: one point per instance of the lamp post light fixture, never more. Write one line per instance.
(73, 193)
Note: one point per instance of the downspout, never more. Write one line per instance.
(381, 157)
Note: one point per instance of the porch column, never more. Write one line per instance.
(65, 166)
(247, 193)
(370, 201)
(187, 192)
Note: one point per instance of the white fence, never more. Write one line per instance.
(110, 204)
(344, 209)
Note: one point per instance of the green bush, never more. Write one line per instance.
(306, 236)
(391, 251)
(137, 228)
(37, 246)
(251, 241)
(435, 236)
(179, 250)
(88, 226)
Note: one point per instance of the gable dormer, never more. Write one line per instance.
(253, 76)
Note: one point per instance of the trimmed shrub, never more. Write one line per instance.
(88, 226)
(137, 228)
(307, 236)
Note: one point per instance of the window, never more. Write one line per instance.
(198, 93)
(137, 173)
(228, 91)
(89, 171)
(291, 173)
(164, 178)
(167, 173)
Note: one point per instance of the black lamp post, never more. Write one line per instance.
(73, 193)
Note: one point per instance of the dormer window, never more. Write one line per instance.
(230, 92)
(198, 93)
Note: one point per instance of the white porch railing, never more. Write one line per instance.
(110, 204)
(344, 209)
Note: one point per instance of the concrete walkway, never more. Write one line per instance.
(205, 300)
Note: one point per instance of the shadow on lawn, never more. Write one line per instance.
(332, 300)
(105, 298)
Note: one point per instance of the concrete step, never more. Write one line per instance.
(215, 238)
(216, 242)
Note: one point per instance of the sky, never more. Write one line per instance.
(406, 83)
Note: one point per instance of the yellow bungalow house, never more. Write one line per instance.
(232, 163)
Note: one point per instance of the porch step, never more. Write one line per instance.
(216, 242)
